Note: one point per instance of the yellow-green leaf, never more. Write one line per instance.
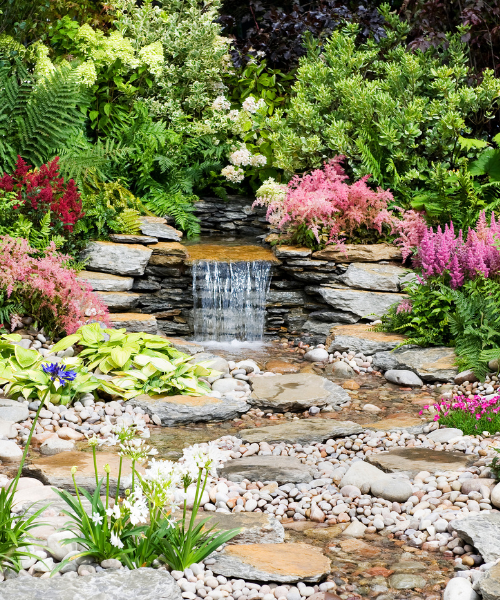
(24, 357)
(65, 343)
(120, 356)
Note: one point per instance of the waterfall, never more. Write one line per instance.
(230, 299)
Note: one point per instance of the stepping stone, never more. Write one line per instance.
(104, 282)
(12, 410)
(302, 431)
(430, 364)
(120, 301)
(489, 585)
(256, 528)
(138, 584)
(296, 392)
(282, 367)
(415, 460)
(283, 469)
(121, 238)
(399, 422)
(179, 409)
(157, 227)
(359, 253)
(134, 322)
(117, 259)
(56, 470)
(279, 563)
(481, 531)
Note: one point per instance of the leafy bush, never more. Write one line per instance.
(321, 208)
(471, 415)
(46, 288)
(391, 112)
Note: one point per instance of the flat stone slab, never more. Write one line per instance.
(430, 364)
(134, 322)
(117, 259)
(157, 227)
(360, 339)
(12, 410)
(281, 366)
(169, 249)
(414, 460)
(283, 469)
(360, 253)
(302, 431)
(296, 392)
(138, 584)
(104, 282)
(56, 470)
(481, 531)
(403, 422)
(292, 251)
(364, 304)
(179, 409)
(121, 238)
(280, 563)
(256, 528)
(370, 276)
(120, 301)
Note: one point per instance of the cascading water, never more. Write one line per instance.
(230, 299)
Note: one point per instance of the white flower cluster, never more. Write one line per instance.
(251, 106)
(220, 103)
(233, 174)
(152, 57)
(44, 65)
(244, 158)
(271, 191)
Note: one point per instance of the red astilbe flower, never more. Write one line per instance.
(41, 190)
(324, 201)
(47, 288)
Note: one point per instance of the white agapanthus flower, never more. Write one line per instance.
(233, 174)
(137, 506)
(207, 457)
(115, 540)
(114, 512)
(97, 518)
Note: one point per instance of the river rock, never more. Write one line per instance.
(117, 259)
(495, 496)
(255, 528)
(12, 410)
(279, 563)
(303, 431)
(406, 581)
(227, 385)
(362, 475)
(464, 376)
(443, 436)
(359, 338)
(134, 322)
(175, 410)
(384, 361)
(119, 301)
(283, 469)
(138, 584)
(394, 490)
(104, 282)
(7, 429)
(369, 276)
(371, 305)
(359, 253)
(55, 445)
(58, 549)
(460, 588)
(489, 585)
(355, 529)
(339, 369)
(296, 392)
(9, 451)
(481, 531)
(157, 227)
(316, 355)
(414, 460)
(403, 377)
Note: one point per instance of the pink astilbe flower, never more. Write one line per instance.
(47, 287)
(404, 306)
(324, 201)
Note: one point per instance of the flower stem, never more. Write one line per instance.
(119, 477)
(95, 467)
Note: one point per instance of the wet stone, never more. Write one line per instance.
(283, 469)
(281, 366)
(415, 460)
(406, 581)
(302, 431)
(256, 528)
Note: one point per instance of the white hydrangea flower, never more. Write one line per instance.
(233, 174)
(234, 115)
(251, 106)
(241, 157)
(44, 65)
(258, 160)
(152, 57)
(220, 103)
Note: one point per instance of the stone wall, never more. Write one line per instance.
(147, 284)
(234, 216)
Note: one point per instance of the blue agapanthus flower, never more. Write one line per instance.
(60, 372)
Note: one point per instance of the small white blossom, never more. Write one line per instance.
(251, 106)
(220, 103)
(233, 174)
(97, 518)
(115, 541)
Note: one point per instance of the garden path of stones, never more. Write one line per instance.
(341, 489)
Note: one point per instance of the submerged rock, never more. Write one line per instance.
(301, 431)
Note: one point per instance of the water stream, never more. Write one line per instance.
(230, 299)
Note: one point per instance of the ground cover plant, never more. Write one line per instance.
(470, 415)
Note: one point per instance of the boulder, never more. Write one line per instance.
(157, 227)
(316, 355)
(367, 305)
(138, 584)
(103, 282)
(279, 563)
(459, 588)
(384, 361)
(117, 259)
(29, 495)
(134, 322)
(292, 252)
(303, 431)
(414, 460)
(12, 410)
(10, 451)
(7, 429)
(121, 238)
(120, 301)
(55, 445)
(283, 469)
(489, 585)
(403, 377)
(296, 392)
(359, 338)
(370, 276)
(355, 253)
(443, 436)
(481, 531)
(179, 409)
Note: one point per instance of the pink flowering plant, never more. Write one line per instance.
(45, 288)
(471, 415)
(321, 207)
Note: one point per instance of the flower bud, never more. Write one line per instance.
(74, 470)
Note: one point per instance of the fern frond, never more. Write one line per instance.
(129, 222)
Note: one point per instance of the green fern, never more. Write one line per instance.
(178, 206)
(129, 222)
